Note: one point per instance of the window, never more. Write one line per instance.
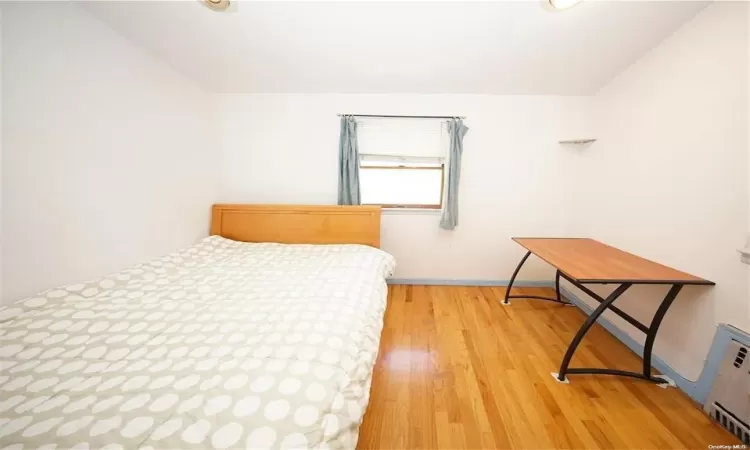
(409, 183)
(402, 162)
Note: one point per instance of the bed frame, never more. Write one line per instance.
(298, 224)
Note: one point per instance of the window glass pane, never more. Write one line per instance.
(400, 186)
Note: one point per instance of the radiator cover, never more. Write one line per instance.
(729, 400)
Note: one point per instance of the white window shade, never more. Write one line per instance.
(402, 138)
(413, 161)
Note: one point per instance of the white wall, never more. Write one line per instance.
(284, 148)
(106, 151)
(1, 155)
(668, 177)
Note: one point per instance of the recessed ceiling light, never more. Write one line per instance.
(563, 4)
(217, 5)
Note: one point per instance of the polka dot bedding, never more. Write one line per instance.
(222, 345)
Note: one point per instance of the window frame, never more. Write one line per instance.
(405, 166)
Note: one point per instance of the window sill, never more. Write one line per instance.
(411, 211)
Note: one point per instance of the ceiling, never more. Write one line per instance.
(398, 47)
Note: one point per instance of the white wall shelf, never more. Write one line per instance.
(577, 141)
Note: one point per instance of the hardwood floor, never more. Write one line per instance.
(458, 370)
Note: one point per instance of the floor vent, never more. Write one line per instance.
(731, 423)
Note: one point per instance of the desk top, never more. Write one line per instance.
(590, 261)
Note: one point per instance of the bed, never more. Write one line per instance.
(230, 343)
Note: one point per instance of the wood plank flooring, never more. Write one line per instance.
(457, 370)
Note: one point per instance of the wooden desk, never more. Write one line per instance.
(586, 261)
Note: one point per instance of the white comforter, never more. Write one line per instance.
(222, 345)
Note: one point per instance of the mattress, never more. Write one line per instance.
(221, 345)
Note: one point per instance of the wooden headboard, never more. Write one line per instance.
(298, 224)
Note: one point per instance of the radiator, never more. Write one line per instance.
(729, 400)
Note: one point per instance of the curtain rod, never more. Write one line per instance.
(387, 116)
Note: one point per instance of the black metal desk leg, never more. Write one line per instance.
(513, 278)
(585, 328)
(557, 286)
(654, 327)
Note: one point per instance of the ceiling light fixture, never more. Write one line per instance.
(563, 4)
(218, 5)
